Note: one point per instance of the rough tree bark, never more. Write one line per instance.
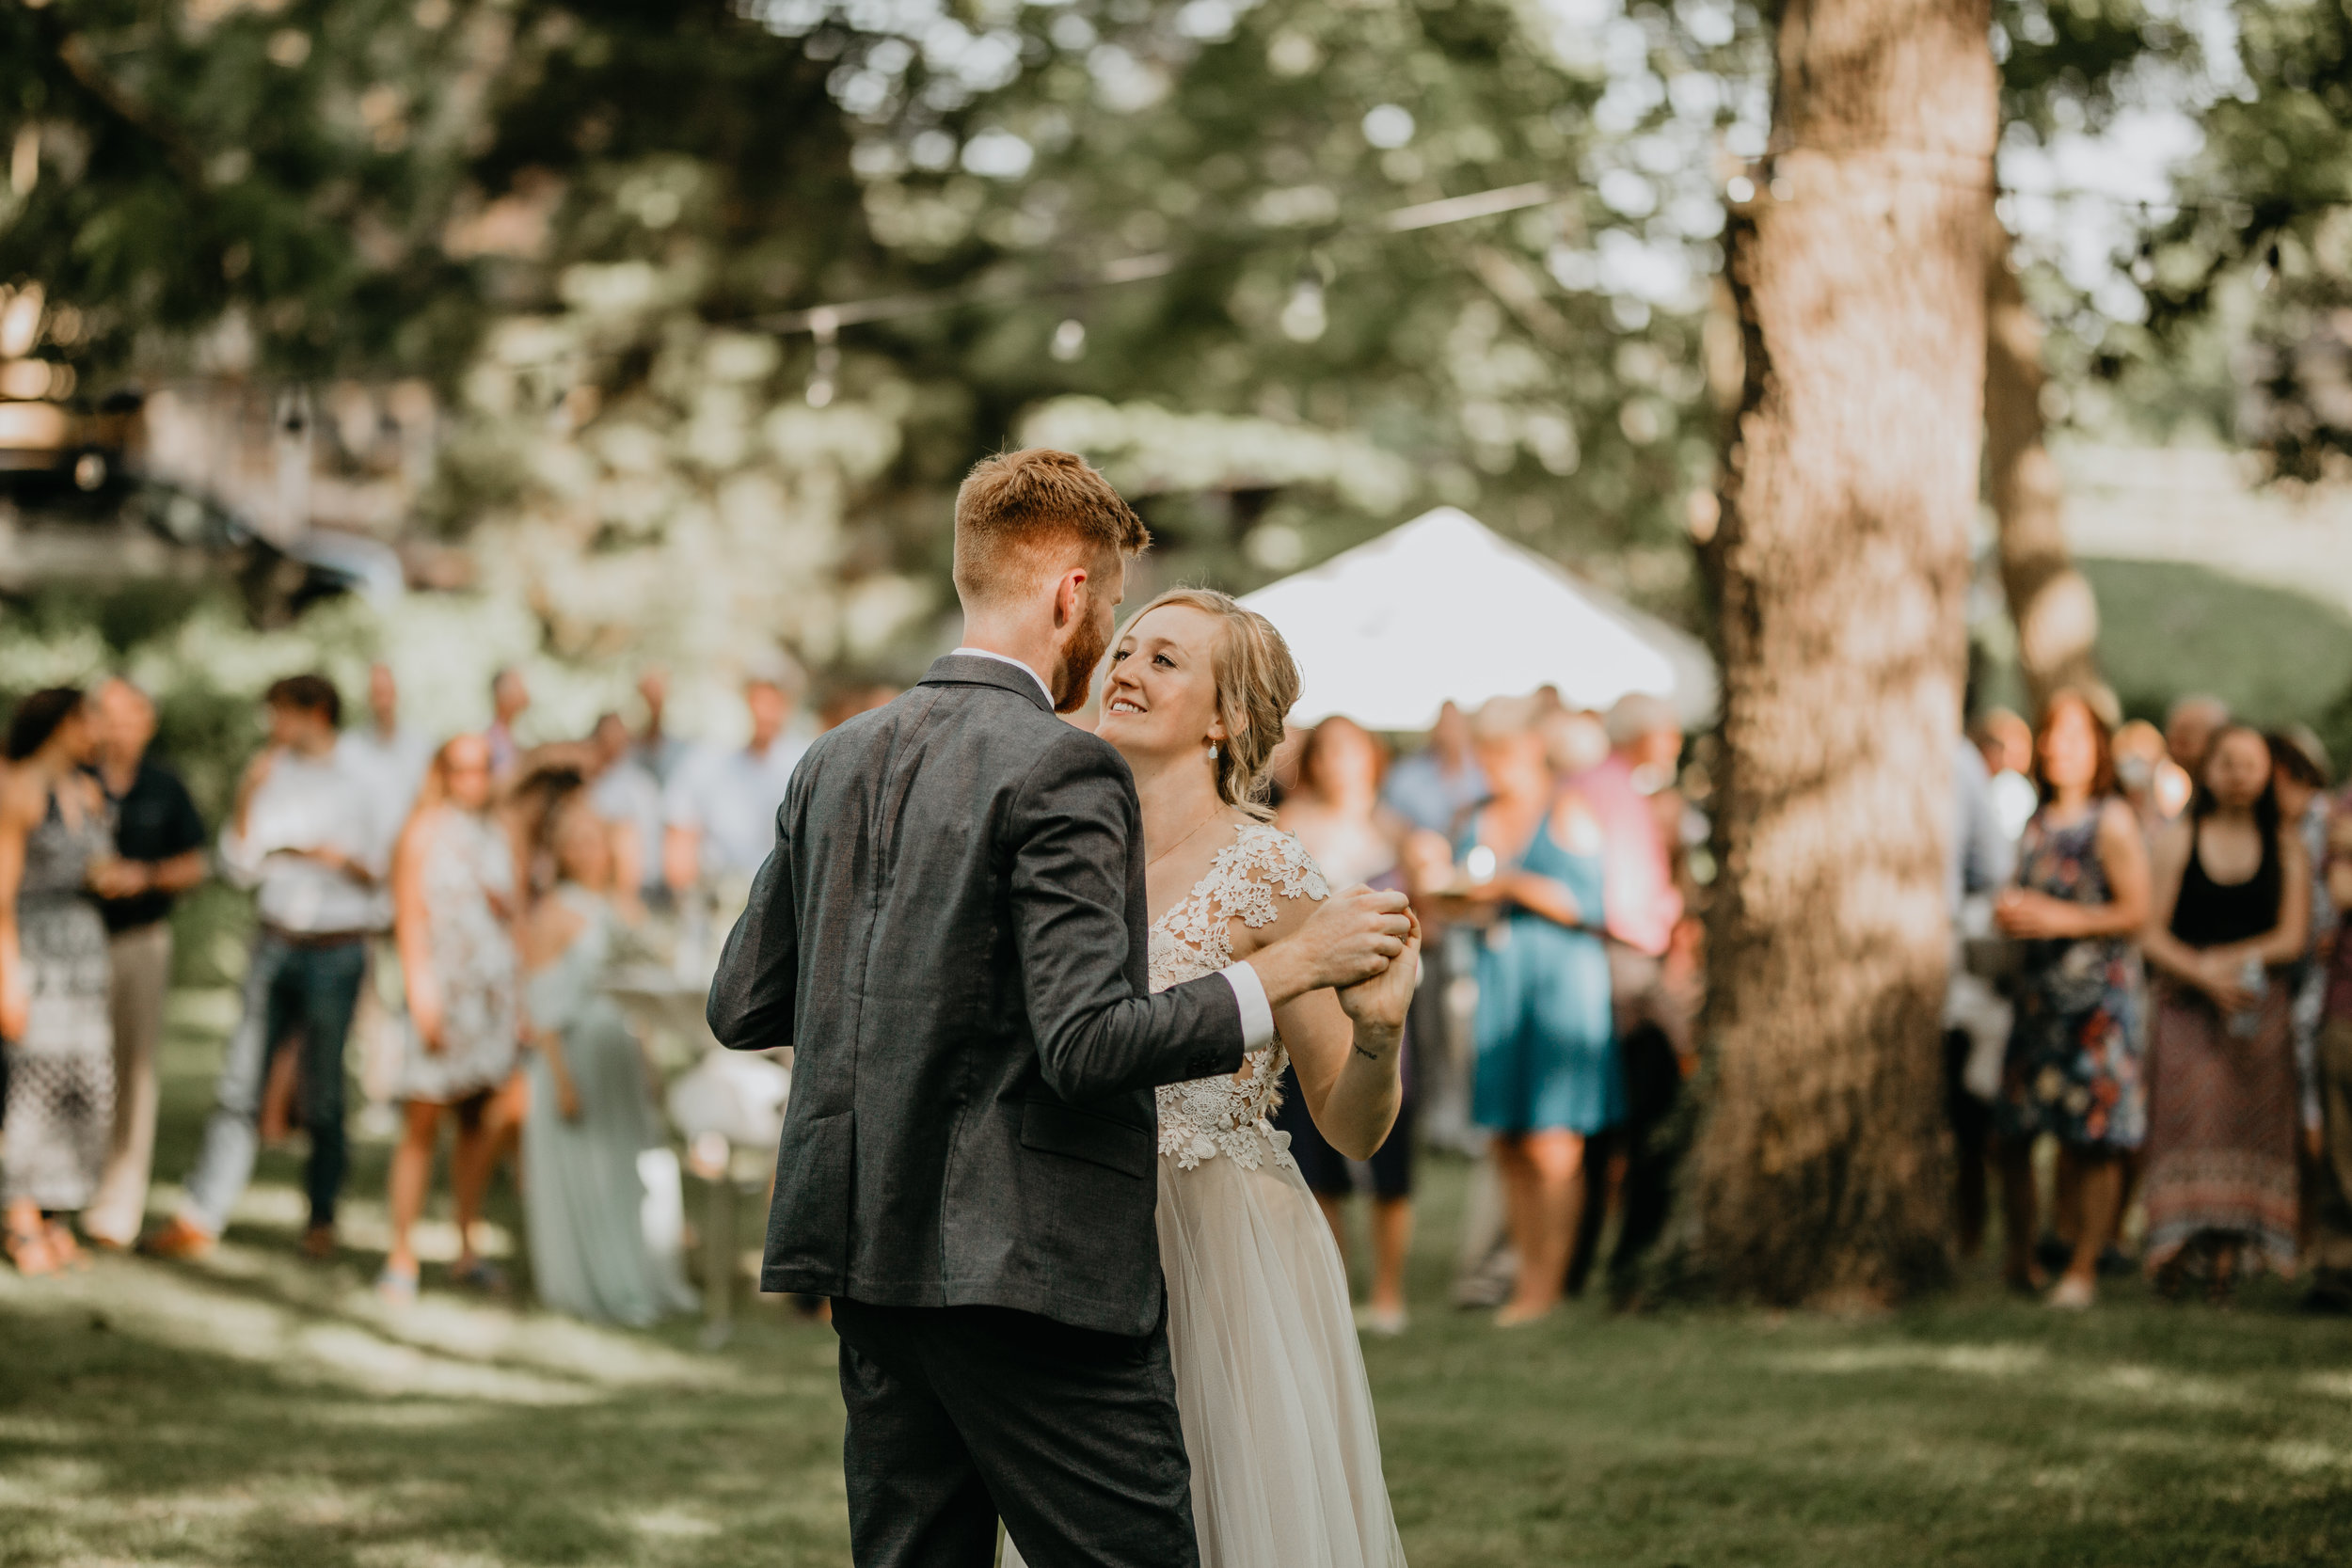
(2051, 603)
(1840, 561)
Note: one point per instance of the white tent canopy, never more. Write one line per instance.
(1441, 607)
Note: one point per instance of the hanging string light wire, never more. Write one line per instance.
(825, 320)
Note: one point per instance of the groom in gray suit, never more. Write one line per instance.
(951, 932)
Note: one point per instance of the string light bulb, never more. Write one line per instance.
(826, 327)
(1304, 318)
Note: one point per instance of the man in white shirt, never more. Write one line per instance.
(308, 833)
(720, 811)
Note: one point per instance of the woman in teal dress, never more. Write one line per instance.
(1547, 1074)
(592, 1110)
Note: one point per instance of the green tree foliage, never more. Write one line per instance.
(2268, 238)
(586, 224)
(281, 165)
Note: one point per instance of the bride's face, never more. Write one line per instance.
(1160, 698)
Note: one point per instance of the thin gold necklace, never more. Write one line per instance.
(1213, 815)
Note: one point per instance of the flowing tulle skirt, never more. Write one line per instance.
(1269, 1377)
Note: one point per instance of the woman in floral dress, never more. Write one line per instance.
(454, 890)
(2074, 1066)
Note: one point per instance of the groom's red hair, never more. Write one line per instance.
(1017, 509)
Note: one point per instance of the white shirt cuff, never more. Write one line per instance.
(1257, 1014)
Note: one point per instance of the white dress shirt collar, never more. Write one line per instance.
(1007, 658)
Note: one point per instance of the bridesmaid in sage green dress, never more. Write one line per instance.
(592, 1110)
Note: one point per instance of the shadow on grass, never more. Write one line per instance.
(1977, 1429)
(125, 1438)
(260, 1410)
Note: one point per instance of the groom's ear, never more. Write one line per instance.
(1069, 595)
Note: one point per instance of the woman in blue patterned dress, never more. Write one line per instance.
(2074, 1067)
(1547, 1075)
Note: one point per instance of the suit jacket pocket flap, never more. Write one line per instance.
(1087, 1136)
(808, 1221)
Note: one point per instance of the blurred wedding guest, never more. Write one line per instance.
(2006, 743)
(454, 900)
(56, 857)
(2299, 773)
(1547, 1075)
(1431, 789)
(2073, 1068)
(624, 793)
(2190, 725)
(592, 1111)
(1977, 1019)
(160, 840)
(393, 755)
(720, 810)
(510, 697)
(1625, 792)
(2329, 1225)
(851, 700)
(1436, 784)
(658, 750)
(2231, 907)
(2157, 787)
(1574, 742)
(305, 832)
(1334, 810)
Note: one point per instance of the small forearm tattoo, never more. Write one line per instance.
(1367, 1055)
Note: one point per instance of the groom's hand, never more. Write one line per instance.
(1349, 939)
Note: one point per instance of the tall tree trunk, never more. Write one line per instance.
(2051, 603)
(1842, 561)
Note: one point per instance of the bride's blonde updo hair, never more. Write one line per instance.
(1257, 682)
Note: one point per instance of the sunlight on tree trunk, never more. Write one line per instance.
(1841, 561)
(2051, 603)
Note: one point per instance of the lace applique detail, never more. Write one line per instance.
(1227, 1115)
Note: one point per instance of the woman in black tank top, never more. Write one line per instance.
(2209, 915)
(2232, 903)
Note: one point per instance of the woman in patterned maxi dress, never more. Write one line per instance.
(55, 846)
(1270, 1384)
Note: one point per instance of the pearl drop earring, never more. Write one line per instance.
(1212, 750)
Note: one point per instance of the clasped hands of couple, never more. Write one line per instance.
(1365, 945)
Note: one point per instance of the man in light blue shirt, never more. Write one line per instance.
(1435, 785)
(719, 812)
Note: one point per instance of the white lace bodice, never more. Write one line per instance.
(1227, 1115)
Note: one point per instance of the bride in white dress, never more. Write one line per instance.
(1270, 1382)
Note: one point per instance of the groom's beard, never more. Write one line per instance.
(1087, 644)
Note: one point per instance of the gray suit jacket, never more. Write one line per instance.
(951, 933)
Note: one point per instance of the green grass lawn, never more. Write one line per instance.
(257, 1410)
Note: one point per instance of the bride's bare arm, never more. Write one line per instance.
(1347, 1066)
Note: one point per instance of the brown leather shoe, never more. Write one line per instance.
(177, 1240)
(318, 1244)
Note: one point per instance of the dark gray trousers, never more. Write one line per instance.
(960, 1416)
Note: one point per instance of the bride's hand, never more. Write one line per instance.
(1381, 1003)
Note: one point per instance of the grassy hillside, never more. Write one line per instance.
(2168, 630)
